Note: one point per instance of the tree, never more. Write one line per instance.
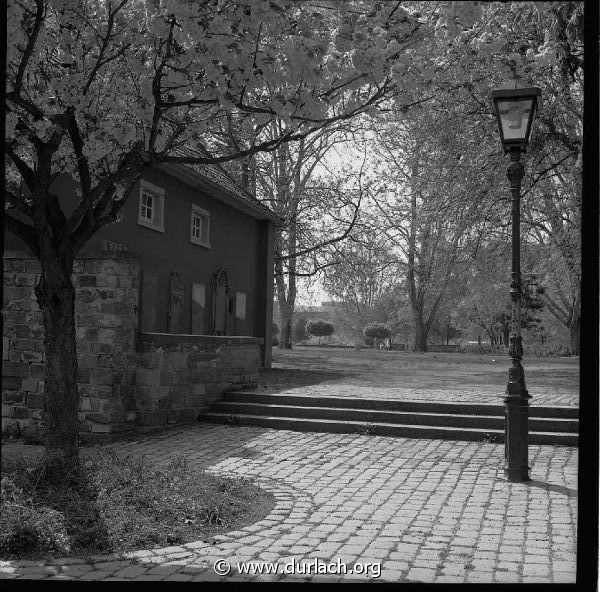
(542, 44)
(299, 332)
(429, 208)
(378, 332)
(274, 338)
(445, 328)
(317, 212)
(320, 329)
(103, 90)
(484, 303)
(395, 309)
(476, 47)
(365, 269)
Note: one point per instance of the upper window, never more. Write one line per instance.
(151, 208)
(200, 227)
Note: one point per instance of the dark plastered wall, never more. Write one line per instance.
(235, 243)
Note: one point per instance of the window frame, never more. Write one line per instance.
(201, 213)
(158, 206)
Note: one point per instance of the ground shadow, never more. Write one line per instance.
(555, 488)
(275, 380)
(55, 509)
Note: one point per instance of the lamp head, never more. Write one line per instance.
(515, 110)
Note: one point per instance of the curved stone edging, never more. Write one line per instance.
(199, 555)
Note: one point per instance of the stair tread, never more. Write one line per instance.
(311, 396)
(384, 411)
(354, 422)
(395, 402)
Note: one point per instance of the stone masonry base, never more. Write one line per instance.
(128, 382)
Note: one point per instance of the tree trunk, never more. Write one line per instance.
(285, 341)
(574, 334)
(56, 298)
(286, 307)
(420, 335)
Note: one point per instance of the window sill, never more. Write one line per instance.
(195, 241)
(151, 226)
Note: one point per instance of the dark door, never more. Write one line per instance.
(221, 309)
(220, 302)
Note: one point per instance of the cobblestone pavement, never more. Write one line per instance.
(465, 395)
(422, 510)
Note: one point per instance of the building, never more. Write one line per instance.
(174, 304)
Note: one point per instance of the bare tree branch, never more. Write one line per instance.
(24, 231)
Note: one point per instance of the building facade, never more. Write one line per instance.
(174, 306)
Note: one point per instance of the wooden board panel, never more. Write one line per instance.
(149, 300)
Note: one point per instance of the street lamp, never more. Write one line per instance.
(515, 109)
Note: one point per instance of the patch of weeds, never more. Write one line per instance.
(367, 429)
(32, 440)
(46, 507)
(441, 563)
(13, 431)
(233, 420)
(489, 438)
(16, 432)
(111, 505)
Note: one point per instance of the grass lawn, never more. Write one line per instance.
(449, 376)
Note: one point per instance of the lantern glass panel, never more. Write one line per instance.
(514, 117)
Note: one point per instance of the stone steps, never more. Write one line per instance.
(410, 419)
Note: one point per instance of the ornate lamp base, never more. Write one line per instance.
(516, 409)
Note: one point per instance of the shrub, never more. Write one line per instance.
(484, 348)
(320, 328)
(377, 331)
(549, 350)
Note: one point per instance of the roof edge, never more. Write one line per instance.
(195, 179)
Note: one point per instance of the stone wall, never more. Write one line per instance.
(179, 376)
(106, 325)
(128, 382)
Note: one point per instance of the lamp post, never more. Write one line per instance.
(515, 109)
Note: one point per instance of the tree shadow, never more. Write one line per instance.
(275, 380)
(58, 512)
(555, 488)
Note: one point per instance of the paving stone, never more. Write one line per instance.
(95, 575)
(564, 577)
(507, 577)
(416, 574)
(428, 510)
(131, 572)
(536, 570)
(111, 566)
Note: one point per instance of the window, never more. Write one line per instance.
(200, 227)
(240, 305)
(152, 201)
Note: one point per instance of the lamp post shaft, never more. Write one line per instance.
(516, 427)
